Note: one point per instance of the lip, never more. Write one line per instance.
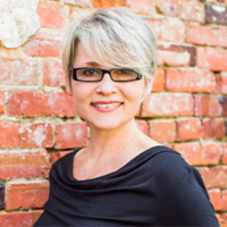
(106, 109)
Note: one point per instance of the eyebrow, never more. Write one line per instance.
(92, 63)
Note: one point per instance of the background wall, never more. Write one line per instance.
(38, 123)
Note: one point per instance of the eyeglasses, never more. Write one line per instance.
(95, 74)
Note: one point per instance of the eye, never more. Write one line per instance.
(89, 72)
(123, 71)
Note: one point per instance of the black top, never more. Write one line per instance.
(156, 188)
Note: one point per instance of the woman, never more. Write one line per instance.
(122, 178)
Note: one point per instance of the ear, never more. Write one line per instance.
(148, 88)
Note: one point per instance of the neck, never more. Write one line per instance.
(104, 143)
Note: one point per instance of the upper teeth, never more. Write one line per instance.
(107, 105)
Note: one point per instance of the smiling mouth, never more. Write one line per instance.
(109, 105)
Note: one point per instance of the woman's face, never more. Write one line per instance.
(106, 104)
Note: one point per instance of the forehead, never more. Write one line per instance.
(83, 59)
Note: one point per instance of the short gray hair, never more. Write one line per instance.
(119, 37)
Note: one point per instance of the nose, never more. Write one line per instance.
(106, 85)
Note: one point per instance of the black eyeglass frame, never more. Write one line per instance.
(104, 71)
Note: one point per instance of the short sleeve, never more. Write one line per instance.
(187, 202)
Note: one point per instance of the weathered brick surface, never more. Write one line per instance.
(86, 3)
(221, 83)
(197, 154)
(172, 29)
(190, 80)
(206, 35)
(213, 59)
(35, 104)
(2, 107)
(53, 74)
(159, 80)
(26, 195)
(102, 4)
(216, 14)
(163, 130)
(169, 7)
(142, 6)
(171, 105)
(44, 44)
(71, 135)
(16, 219)
(224, 157)
(215, 198)
(206, 105)
(213, 129)
(176, 55)
(214, 177)
(36, 135)
(192, 10)
(51, 15)
(24, 164)
(189, 129)
(18, 72)
(8, 135)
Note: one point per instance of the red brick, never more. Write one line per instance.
(24, 164)
(224, 157)
(103, 4)
(163, 130)
(87, 3)
(53, 74)
(224, 105)
(171, 29)
(176, 55)
(190, 80)
(168, 7)
(223, 220)
(206, 105)
(215, 198)
(216, 14)
(143, 126)
(16, 219)
(213, 59)
(2, 107)
(211, 153)
(71, 135)
(224, 200)
(142, 6)
(167, 104)
(44, 44)
(8, 135)
(196, 154)
(213, 128)
(189, 129)
(221, 82)
(206, 35)
(192, 10)
(36, 135)
(159, 80)
(215, 177)
(191, 152)
(18, 72)
(50, 15)
(26, 195)
(35, 104)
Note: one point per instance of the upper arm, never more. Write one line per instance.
(187, 202)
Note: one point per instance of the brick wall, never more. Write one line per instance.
(187, 110)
